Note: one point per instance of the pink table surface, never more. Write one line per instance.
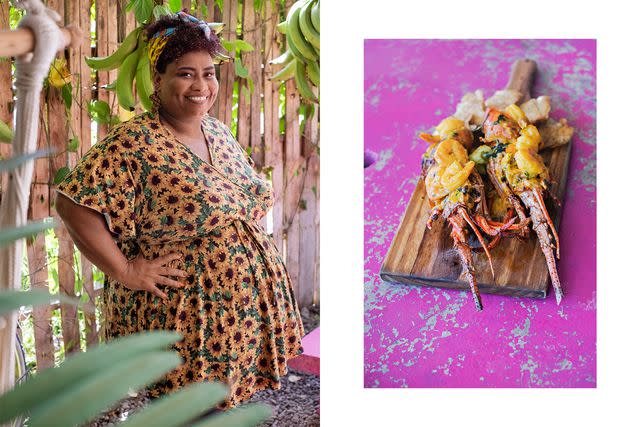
(429, 337)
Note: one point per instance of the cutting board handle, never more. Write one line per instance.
(522, 74)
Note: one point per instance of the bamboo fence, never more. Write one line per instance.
(290, 157)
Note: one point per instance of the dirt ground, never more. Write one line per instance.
(296, 404)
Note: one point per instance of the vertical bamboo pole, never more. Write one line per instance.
(57, 134)
(273, 143)
(213, 12)
(39, 207)
(250, 102)
(106, 44)
(59, 138)
(86, 93)
(244, 98)
(216, 15)
(309, 220)
(293, 182)
(227, 74)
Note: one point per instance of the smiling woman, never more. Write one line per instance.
(182, 200)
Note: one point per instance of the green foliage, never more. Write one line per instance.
(93, 381)
(240, 70)
(60, 174)
(175, 408)
(101, 113)
(74, 143)
(243, 46)
(161, 10)
(235, 49)
(234, 108)
(142, 9)
(67, 95)
(13, 300)
(175, 5)
(204, 9)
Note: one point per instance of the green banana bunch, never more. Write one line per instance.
(128, 46)
(300, 47)
(315, 16)
(124, 81)
(132, 61)
(302, 83)
(301, 61)
(307, 28)
(144, 83)
(286, 73)
(283, 59)
(313, 72)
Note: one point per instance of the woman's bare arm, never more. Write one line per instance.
(89, 231)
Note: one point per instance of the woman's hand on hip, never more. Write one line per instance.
(143, 275)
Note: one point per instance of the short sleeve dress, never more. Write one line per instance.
(237, 312)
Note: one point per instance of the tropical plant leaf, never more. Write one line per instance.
(73, 144)
(78, 368)
(161, 10)
(13, 300)
(175, 5)
(142, 9)
(80, 401)
(67, 94)
(229, 46)
(243, 46)
(60, 174)
(12, 234)
(240, 70)
(178, 408)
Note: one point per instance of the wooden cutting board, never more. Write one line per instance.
(419, 256)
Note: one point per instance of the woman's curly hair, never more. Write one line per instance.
(188, 37)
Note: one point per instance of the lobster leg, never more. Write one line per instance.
(493, 228)
(466, 217)
(541, 227)
(458, 235)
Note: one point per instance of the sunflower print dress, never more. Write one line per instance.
(237, 313)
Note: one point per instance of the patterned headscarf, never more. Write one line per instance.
(159, 40)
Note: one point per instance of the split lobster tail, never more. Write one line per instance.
(458, 222)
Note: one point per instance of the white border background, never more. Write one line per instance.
(615, 401)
